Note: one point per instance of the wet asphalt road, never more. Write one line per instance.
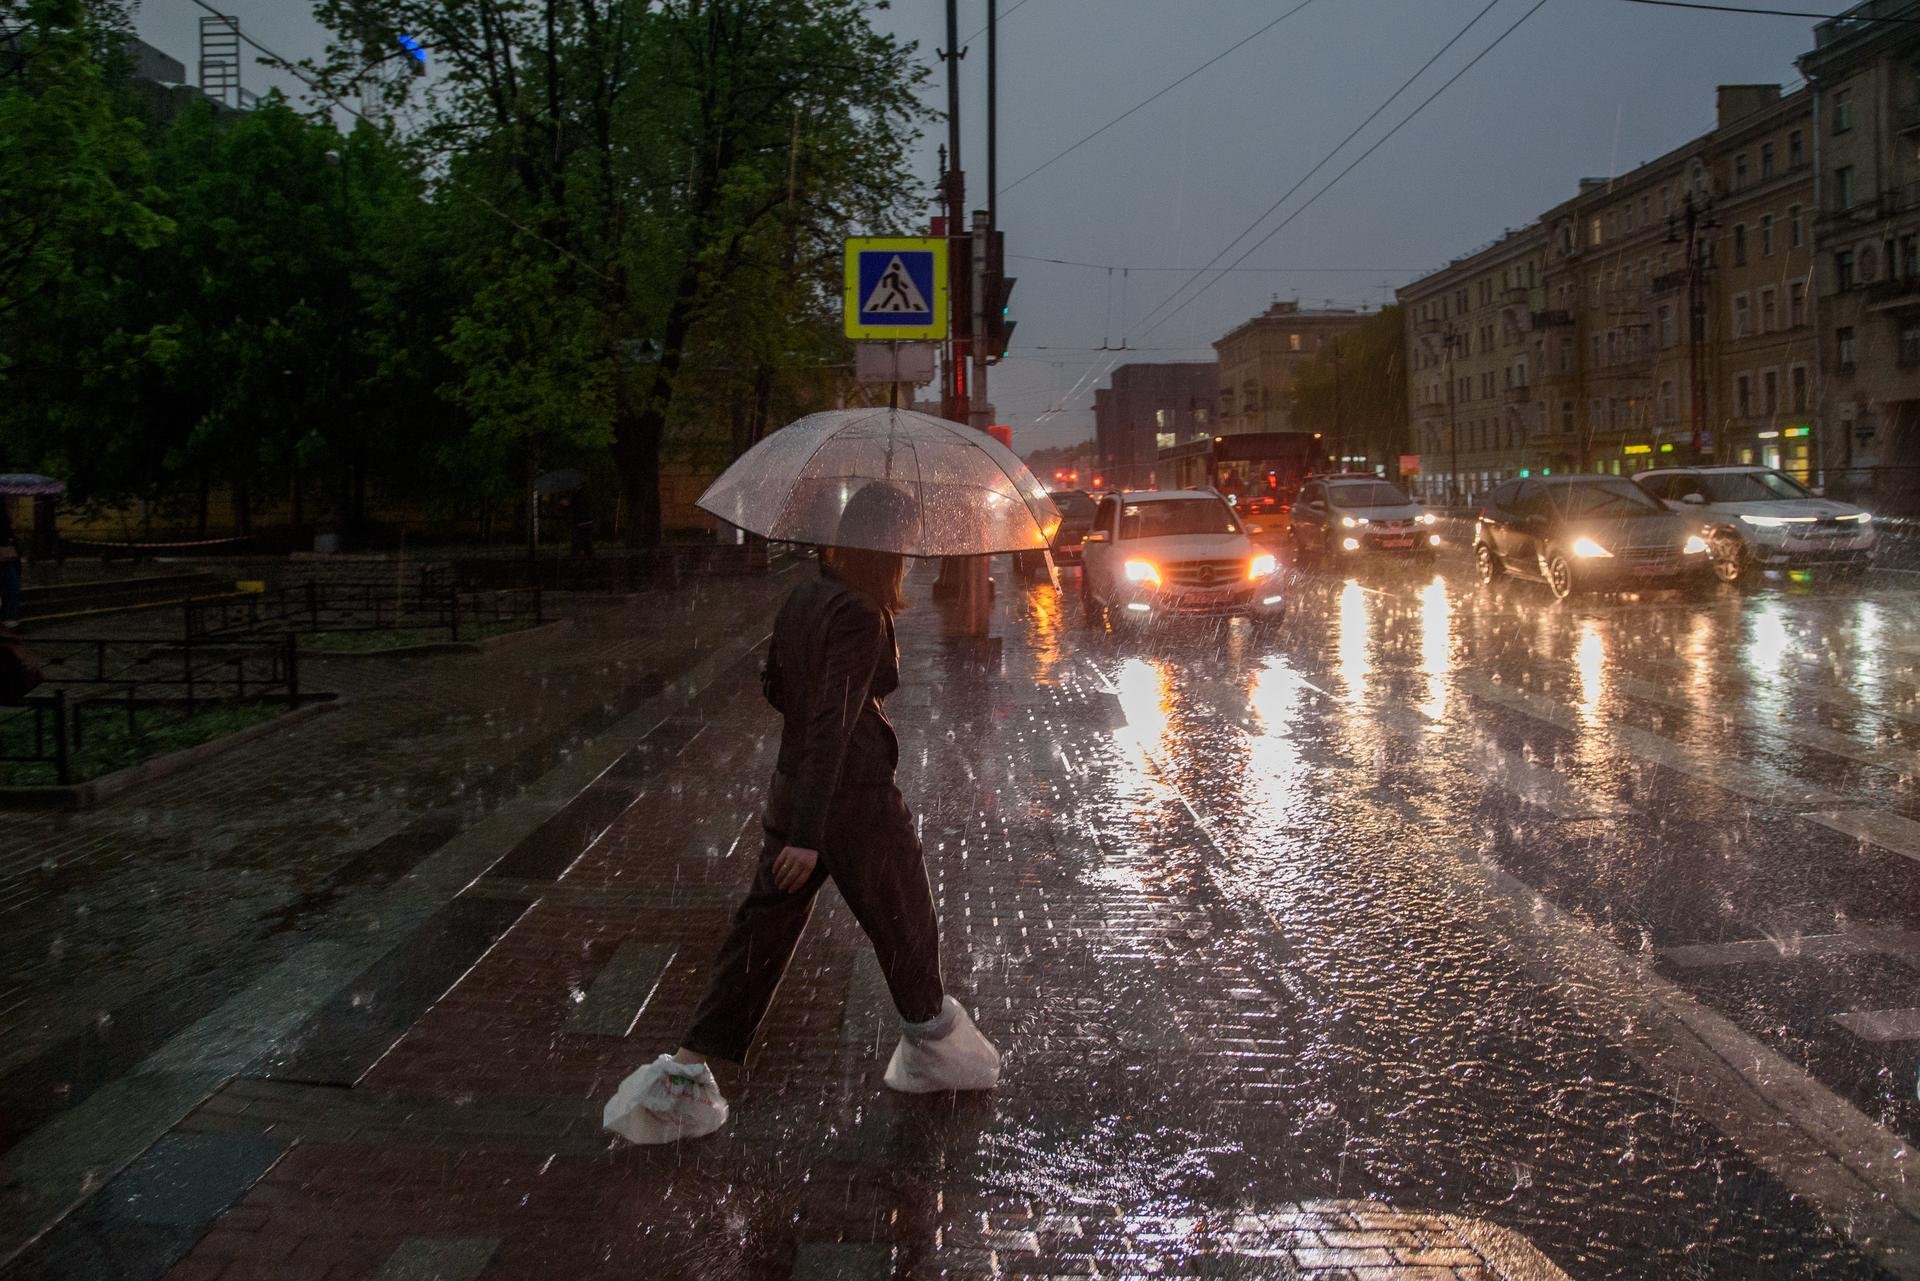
(1646, 763)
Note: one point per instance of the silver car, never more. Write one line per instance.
(1349, 515)
(1756, 519)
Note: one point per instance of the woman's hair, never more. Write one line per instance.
(880, 576)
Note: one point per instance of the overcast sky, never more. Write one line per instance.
(1582, 88)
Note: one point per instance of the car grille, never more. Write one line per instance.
(1656, 555)
(1392, 526)
(1206, 573)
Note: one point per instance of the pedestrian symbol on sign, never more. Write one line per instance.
(895, 293)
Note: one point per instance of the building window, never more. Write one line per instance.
(1766, 235)
(1740, 244)
(1669, 406)
(1797, 303)
(1740, 171)
(1667, 336)
(1742, 316)
(1566, 415)
(1769, 310)
(1796, 150)
(1766, 160)
(1842, 110)
(1293, 342)
(1770, 392)
(1910, 341)
(1909, 256)
(1593, 231)
(1797, 379)
(1843, 269)
(1666, 201)
(1743, 395)
(1566, 355)
(1844, 344)
(1843, 188)
(1793, 226)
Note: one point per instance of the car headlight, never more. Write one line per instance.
(1427, 518)
(1775, 522)
(1350, 544)
(1143, 571)
(1262, 565)
(1348, 521)
(1587, 549)
(1695, 545)
(1862, 517)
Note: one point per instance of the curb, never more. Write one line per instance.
(80, 796)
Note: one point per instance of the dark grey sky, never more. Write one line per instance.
(1583, 88)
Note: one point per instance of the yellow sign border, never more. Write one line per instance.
(850, 288)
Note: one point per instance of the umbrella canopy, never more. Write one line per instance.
(926, 487)
(563, 481)
(22, 484)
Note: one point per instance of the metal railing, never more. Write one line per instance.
(314, 608)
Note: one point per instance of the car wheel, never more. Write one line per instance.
(1560, 579)
(1487, 563)
(1731, 563)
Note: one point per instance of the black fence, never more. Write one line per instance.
(315, 607)
(128, 678)
(623, 571)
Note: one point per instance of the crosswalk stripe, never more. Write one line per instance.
(1882, 1025)
(1743, 778)
(1818, 737)
(1877, 827)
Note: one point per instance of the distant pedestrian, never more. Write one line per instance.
(9, 566)
(833, 811)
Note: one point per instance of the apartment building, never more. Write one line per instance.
(1474, 345)
(1258, 360)
(1865, 74)
(1150, 406)
(1672, 317)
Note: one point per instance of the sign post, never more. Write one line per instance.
(896, 288)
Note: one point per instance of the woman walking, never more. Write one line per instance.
(833, 812)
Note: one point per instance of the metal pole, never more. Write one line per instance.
(993, 113)
(979, 412)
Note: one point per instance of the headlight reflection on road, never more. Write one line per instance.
(1146, 696)
(1352, 640)
(1590, 663)
(1436, 645)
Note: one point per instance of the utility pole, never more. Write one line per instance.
(993, 114)
(1339, 426)
(953, 189)
(1697, 219)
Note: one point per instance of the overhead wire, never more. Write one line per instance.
(1357, 130)
(1116, 266)
(1356, 163)
(1775, 13)
(1230, 49)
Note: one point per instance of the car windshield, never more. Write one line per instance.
(1751, 486)
(1367, 493)
(1177, 516)
(1073, 505)
(1604, 498)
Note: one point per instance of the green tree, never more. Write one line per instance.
(679, 173)
(1355, 391)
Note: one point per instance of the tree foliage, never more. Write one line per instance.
(1354, 391)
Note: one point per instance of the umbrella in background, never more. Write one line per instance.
(967, 494)
(563, 481)
(22, 484)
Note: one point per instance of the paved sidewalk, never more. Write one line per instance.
(1180, 1097)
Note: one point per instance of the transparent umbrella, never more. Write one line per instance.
(22, 484)
(948, 490)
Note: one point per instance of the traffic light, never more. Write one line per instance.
(999, 336)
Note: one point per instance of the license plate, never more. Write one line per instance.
(1396, 542)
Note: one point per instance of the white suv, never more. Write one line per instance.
(1176, 552)
(1756, 518)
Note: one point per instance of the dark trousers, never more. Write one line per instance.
(870, 850)
(9, 588)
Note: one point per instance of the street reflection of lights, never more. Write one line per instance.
(1436, 644)
(1590, 662)
(1275, 694)
(1146, 697)
(1768, 643)
(1353, 640)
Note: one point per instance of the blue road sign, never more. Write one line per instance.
(896, 288)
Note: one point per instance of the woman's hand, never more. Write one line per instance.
(792, 867)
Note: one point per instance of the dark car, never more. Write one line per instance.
(1076, 518)
(1576, 533)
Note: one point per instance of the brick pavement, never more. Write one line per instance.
(471, 1147)
(1186, 1093)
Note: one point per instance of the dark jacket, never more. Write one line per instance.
(833, 659)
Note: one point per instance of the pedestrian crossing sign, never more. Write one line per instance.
(896, 288)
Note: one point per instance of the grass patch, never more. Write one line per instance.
(405, 637)
(109, 746)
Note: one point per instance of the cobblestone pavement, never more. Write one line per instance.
(122, 924)
(1239, 915)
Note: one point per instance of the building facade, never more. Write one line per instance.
(1473, 351)
(1147, 408)
(1258, 360)
(1672, 318)
(1865, 78)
